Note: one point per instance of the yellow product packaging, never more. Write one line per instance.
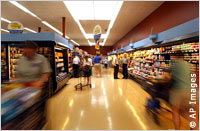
(12, 86)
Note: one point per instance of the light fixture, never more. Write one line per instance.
(30, 30)
(32, 14)
(5, 30)
(5, 20)
(24, 9)
(116, 12)
(92, 10)
(75, 42)
(53, 28)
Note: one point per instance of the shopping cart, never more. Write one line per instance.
(81, 80)
(159, 92)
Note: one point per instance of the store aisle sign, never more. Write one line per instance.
(97, 32)
(15, 27)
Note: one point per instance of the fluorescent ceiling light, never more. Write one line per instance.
(24, 9)
(117, 9)
(91, 36)
(30, 30)
(5, 20)
(91, 10)
(94, 10)
(8, 21)
(5, 30)
(32, 14)
(74, 42)
(53, 28)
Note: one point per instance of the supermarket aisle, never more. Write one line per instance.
(110, 104)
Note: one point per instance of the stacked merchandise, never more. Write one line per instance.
(45, 51)
(61, 69)
(15, 54)
(16, 98)
(153, 63)
(4, 72)
(120, 57)
(70, 61)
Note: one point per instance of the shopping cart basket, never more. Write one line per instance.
(159, 91)
(81, 80)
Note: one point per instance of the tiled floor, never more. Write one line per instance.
(110, 105)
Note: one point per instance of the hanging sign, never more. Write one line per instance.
(15, 27)
(97, 32)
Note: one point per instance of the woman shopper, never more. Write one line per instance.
(87, 68)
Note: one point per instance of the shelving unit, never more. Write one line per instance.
(4, 68)
(12, 51)
(70, 61)
(152, 62)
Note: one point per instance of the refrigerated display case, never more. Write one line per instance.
(55, 48)
(153, 62)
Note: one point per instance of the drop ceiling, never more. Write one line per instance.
(130, 14)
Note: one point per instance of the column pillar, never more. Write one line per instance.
(63, 26)
(39, 29)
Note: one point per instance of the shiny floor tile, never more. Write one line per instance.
(109, 105)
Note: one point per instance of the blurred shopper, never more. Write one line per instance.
(87, 67)
(125, 66)
(116, 66)
(76, 62)
(90, 59)
(106, 62)
(180, 92)
(33, 68)
(109, 61)
(97, 65)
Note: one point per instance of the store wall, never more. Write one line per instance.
(91, 49)
(168, 15)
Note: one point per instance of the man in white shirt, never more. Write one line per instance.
(76, 62)
(125, 66)
(116, 66)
